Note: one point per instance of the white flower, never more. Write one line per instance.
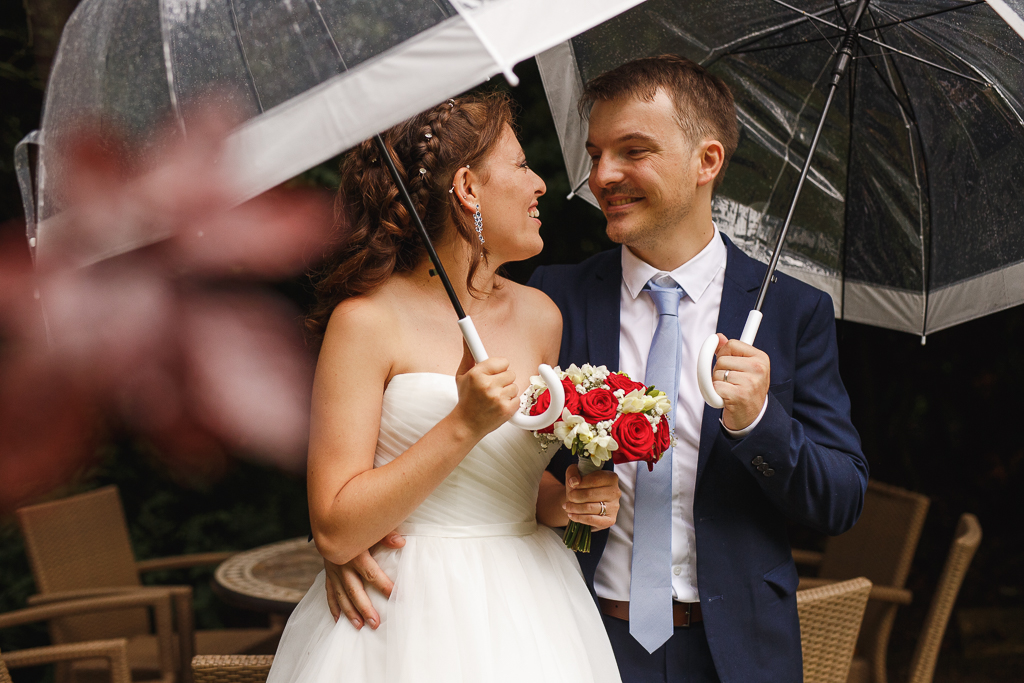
(637, 402)
(571, 427)
(575, 374)
(600, 448)
(662, 404)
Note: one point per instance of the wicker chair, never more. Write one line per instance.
(231, 668)
(79, 547)
(965, 544)
(879, 547)
(114, 651)
(830, 619)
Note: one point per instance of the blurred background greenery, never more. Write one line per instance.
(942, 419)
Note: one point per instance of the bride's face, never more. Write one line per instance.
(508, 202)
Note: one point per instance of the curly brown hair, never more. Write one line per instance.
(373, 228)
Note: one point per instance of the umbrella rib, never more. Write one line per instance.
(995, 86)
(929, 14)
(913, 133)
(903, 53)
(818, 19)
(723, 50)
(779, 46)
(245, 59)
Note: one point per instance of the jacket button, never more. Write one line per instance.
(769, 472)
(757, 461)
(762, 467)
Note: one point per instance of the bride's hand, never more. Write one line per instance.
(346, 585)
(584, 496)
(488, 395)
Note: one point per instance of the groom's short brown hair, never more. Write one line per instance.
(704, 104)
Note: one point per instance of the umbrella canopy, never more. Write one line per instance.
(309, 79)
(911, 216)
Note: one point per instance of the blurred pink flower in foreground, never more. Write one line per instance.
(174, 339)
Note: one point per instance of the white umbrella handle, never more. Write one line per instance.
(706, 359)
(550, 377)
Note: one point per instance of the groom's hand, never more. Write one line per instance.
(584, 496)
(745, 389)
(346, 590)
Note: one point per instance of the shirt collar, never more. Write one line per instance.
(694, 276)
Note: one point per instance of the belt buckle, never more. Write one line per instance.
(689, 606)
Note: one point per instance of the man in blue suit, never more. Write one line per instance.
(696, 581)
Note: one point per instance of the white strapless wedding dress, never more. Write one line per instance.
(482, 592)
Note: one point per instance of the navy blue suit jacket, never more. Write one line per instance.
(745, 571)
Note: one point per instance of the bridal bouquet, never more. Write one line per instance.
(607, 416)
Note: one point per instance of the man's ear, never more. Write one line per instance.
(712, 156)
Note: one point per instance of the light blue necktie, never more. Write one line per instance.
(650, 587)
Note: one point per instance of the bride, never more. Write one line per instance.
(408, 434)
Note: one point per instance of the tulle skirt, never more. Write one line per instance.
(471, 604)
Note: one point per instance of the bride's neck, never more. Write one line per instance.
(456, 256)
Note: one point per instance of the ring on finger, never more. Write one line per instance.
(604, 510)
(726, 378)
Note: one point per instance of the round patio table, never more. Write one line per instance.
(271, 578)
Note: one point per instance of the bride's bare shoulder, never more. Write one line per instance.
(362, 323)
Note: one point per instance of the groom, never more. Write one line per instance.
(695, 580)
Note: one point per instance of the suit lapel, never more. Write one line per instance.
(603, 313)
(739, 295)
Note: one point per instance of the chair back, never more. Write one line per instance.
(830, 619)
(231, 668)
(5, 675)
(83, 542)
(880, 547)
(965, 544)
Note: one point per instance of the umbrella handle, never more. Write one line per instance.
(550, 377)
(706, 359)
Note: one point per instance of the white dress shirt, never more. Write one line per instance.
(702, 279)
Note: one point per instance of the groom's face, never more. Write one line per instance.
(643, 168)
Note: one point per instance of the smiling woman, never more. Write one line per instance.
(408, 433)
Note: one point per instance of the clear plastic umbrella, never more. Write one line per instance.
(309, 78)
(911, 216)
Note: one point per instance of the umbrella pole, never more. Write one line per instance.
(706, 355)
(407, 200)
(843, 57)
(469, 333)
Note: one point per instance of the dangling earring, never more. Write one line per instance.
(478, 223)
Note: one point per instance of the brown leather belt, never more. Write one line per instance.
(683, 613)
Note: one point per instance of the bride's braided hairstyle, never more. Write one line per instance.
(376, 234)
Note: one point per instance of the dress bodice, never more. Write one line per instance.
(495, 484)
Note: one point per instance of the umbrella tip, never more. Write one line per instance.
(924, 339)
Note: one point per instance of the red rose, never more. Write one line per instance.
(598, 405)
(662, 438)
(635, 436)
(543, 401)
(572, 397)
(619, 381)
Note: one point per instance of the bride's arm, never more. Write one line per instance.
(579, 499)
(352, 505)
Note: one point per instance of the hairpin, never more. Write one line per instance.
(423, 171)
(428, 136)
(451, 103)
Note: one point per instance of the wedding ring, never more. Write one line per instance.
(604, 510)
(726, 378)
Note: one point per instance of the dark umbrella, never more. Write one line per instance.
(911, 215)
